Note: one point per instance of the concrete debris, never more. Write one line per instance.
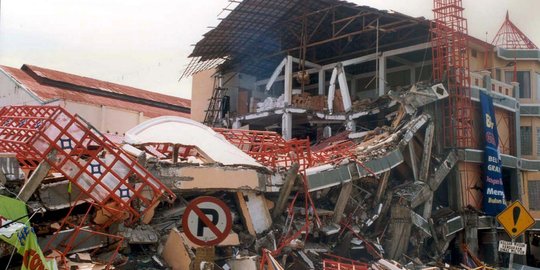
(192, 137)
(363, 200)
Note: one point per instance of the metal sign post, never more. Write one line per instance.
(511, 259)
(515, 220)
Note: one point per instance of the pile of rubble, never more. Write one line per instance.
(357, 200)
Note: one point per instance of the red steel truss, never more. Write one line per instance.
(66, 243)
(449, 40)
(269, 148)
(101, 170)
(167, 150)
(333, 262)
(335, 153)
(510, 37)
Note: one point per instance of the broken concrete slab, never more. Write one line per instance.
(243, 262)
(419, 95)
(34, 181)
(205, 178)
(142, 234)
(254, 211)
(176, 252)
(286, 190)
(55, 195)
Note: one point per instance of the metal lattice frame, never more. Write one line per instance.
(451, 64)
(269, 148)
(510, 37)
(335, 153)
(72, 238)
(333, 262)
(90, 161)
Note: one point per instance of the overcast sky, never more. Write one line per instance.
(145, 43)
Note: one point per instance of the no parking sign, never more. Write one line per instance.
(207, 221)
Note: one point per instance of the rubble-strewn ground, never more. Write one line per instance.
(356, 200)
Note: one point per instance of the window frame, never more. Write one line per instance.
(524, 147)
(522, 90)
(533, 192)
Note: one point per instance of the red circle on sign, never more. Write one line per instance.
(193, 206)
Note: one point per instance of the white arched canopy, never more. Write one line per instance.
(179, 130)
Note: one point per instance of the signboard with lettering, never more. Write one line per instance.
(15, 230)
(512, 247)
(494, 200)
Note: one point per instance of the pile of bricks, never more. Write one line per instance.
(304, 100)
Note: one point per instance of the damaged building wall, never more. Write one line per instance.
(202, 87)
(13, 93)
(107, 119)
(471, 184)
(111, 108)
(384, 194)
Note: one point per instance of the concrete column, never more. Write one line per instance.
(382, 187)
(426, 153)
(489, 243)
(286, 126)
(412, 156)
(34, 181)
(400, 231)
(471, 232)
(350, 125)
(382, 75)
(322, 82)
(344, 196)
(352, 89)
(413, 75)
(517, 187)
(286, 120)
(286, 190)
(486, 76)
(288, 81)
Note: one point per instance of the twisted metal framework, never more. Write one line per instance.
(451, 65)
(269, 148)
(110, 180)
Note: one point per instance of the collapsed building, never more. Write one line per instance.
(329, 68)
(366, 153)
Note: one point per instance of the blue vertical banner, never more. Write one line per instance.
(494, 200)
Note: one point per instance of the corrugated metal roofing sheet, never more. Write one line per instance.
(48, 93)
(255, 29)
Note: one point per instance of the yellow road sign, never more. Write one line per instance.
(515, 219)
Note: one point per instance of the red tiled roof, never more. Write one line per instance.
(48, 92)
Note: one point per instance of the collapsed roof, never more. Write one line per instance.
(255, 36)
